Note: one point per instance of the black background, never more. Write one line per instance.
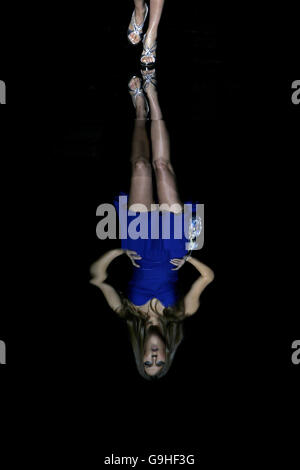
(233, 133)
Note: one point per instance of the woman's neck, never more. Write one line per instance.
(153, 317)
(152, 306)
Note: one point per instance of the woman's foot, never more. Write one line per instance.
(150, 88)
(135, 28)
(138, 98)
(148, 56)
(149, 81)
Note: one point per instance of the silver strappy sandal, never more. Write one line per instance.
(137, 29)
(148, 52)
(149, 76)
(136, 92)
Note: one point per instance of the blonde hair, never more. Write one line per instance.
(171, 322)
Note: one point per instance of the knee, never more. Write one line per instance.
(141, 166)
(162, 166)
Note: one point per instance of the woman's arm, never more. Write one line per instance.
(191, 300)
(99, 272)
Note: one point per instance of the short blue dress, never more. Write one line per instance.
(161, 238)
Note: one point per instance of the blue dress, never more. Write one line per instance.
(154, 278)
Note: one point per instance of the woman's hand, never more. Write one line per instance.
(179, 262)
(133, 255)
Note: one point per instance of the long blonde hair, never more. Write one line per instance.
(171, 322)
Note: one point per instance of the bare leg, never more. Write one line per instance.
(164, 173)
(140, 10)
(156, 8)
(141, 191)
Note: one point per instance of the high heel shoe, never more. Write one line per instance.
(149, 52)
(137, 29)
(136, 92)
(149, 76)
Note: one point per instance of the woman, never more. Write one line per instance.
(136, 25)
(152, 310)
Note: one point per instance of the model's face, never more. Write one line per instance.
(154, 354)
